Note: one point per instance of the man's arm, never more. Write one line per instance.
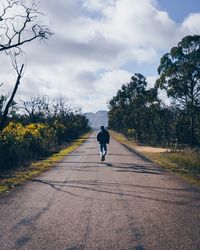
(98, 136)
(108, 135)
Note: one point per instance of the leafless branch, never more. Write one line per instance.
(10, 4)
(15, 35)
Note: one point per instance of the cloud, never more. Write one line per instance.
(126, 30)
(191, 24)
(93, 41)
(151, 80)
(97, 5)
(104, 87)
(137, 23)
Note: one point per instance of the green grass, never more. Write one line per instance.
(19, 176)
(185, 164)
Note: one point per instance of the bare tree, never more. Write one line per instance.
(60, 109)
(19, 24)
(3, 99)
(36, 108)
(30, 106)
(10, 101)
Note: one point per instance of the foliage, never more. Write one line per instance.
(135, 111)
(138, 112)
(180, 71)
(20, 143)
(31, 135)
(16, 177)
(180, 76)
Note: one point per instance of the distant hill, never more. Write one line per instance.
(98, 119)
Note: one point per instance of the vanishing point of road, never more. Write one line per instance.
(123, 203)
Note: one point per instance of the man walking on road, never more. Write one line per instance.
(103, 137)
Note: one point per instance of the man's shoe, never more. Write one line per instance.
(103, 157)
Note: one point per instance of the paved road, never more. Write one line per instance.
(82, 203)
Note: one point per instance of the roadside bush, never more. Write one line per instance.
(19, 144)
(39, 129)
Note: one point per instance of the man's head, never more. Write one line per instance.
(102, 127)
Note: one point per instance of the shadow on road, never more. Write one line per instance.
(119, 167)
(70, 187)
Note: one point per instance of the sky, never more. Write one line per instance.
(97, 45)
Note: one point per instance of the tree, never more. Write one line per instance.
(179, 73)
(36, 109)
(19, 24)
(10, 101)
(2, 104)
(21, 28)
(134, 109)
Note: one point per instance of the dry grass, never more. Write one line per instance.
(145, 149)
(189, 159)
(19, 176)
(185, 164)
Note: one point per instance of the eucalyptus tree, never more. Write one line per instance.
(179, 72)
(134, 108)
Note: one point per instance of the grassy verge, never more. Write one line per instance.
(17, 177)
(185, 164)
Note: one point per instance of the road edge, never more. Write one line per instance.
(182, 174)
(20, 176)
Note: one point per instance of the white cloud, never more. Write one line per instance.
(110, 82)
(191, 24)
(104, 88)
(92, 36)
(137, 23)
(151, 81)
(97, 5)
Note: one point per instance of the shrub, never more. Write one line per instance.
(19, 143)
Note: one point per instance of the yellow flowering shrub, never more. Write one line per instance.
(19, 143)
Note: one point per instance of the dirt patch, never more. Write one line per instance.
(150, 149)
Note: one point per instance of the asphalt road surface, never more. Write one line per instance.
(125, 202)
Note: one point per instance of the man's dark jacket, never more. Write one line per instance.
(103, 136)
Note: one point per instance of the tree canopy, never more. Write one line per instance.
(131, 110)
(179, 73)
(138, 112)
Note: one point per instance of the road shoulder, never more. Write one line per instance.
(157, 155)
(11, 179)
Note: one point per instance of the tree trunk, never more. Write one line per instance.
(192, 128)
(5, 113)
